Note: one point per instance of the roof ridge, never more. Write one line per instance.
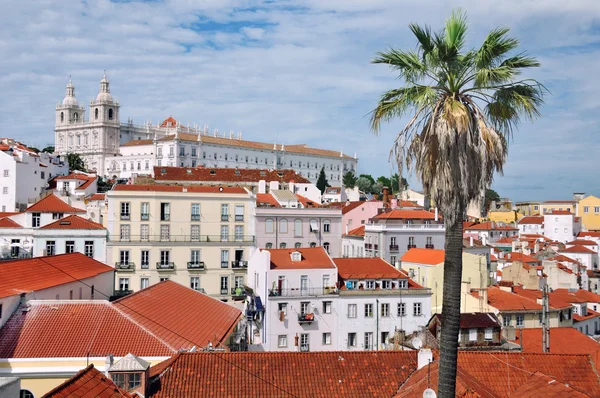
(70, 381)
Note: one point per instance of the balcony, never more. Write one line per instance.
(213, 239)
(223, 292)
(409, 246)
(307, 318)
(195, 217)
(430, 246)
(128, 266)
(393, 248)
(121, 293)
(125, 216)
(144, 216)
(239, 264)
(313, 291)
(224, 217)
(196, 266)
(368, 246)
(170, 266)
(304, 348)
(238, 293)
(239, 218)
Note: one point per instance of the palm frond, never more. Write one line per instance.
(407, 63)
(424, 38)
(456, 30)
(394, 103)
(494, 47)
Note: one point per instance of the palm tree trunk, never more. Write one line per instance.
(451, 309)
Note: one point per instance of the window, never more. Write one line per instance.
(27, 393)
(224, 285)
(195, 212)
(165, 257)
(239, 212)
(125, 210)
(50, 248)
(402, 284)
(239, 233)
(124, 257)
(368, 310)
(195, 256)
(125, 233)
(269, 226)
(385, 310)
(181, 151)
(195, 282)
(144, 283)
(165, 232)
(6, 173)
(401, 309)
(195, 232)
(35, 219)
(145, 211)
(326, 247)
(282, 245)
(351, 339)
(5, 190)
(417, 309)
(393, 241)
(70, 246)
(89, 248)
(15, 248)
(506, 320)
(145, 259)
(520, 319)
(57, 216)
(351, 310)
(224, 233)
(393, 260)
(312, 244)
(596, 209)
(297, 245)
(165, 212)
(314, 227)
(326, 280)
(326, 338)
(297, 227)
(368, 340)
(282, 307)
(224, 212)
(586, 209)
(472, 334)
(123, 284)
(370, 284)
(304, 341)
(224, 258)
(327, 307)
(411, 241)
(144, 232)
(283, 226)
(282, 340)
(326, 226)
(147, 165)
(268, 245)
(386, 284)
(163, 278)
(489, 333)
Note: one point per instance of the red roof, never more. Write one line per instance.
(284, 374)
(311, 257)
(97, 196)
(556, 301)
(6, 222)
(73, 222)
(347, 206)
(178, 188)
(88, 382)
(560, 201)
(32, 274)
(169, 122)
(578, 296)
(561, 212)
(589, 315)
(507, 301)
(582, 242)
(359, 232)
(591, 234)
(490, 225)
(206, 174)
(577, 249)
(563, 340)
(524, 258)
(424, 256)
(406, 214)
(138, 142)
(52, 204)
(8, 213)
(307, 202)
(532, 220)
(366, 268)
(540, 385)
(267, 199)
(88, 179)
(506, 240)
(156, 321)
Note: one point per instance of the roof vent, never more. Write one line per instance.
(263, 173)
(237, 172)
(280, 173)
(213, 172)
(163, 170)
(65, 223)
(189, 171)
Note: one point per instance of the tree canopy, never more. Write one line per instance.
(349, 180)
(75, 162)
(322, 183)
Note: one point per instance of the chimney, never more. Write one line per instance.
(470, 241)
(273, 185)
(386, 196)
(262, 186)
(436, 214)
(394, 203)
(292, 186)
(108, 362)
(425, 357)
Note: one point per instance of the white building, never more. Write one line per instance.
(24, 174)
(582, 254)
(75, 187)
(111, 147)
(531, 225)
(559, 225)
(334, 194)
(353, 243)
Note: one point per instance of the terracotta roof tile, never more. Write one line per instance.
(522, 257)
(559, 202)
(399, 214)
(307, 202)
(279, 374)
(88, 383)
(507, 301)
(539, 220)
(206, 174)
(138, 143)
(577, 249)
(563, 340)
(582, 242)
(6, 222)
(358, 232)
(591, 234)
(424, 256)
(589, 315)
(540, 385)
(8, 213)
(97, 196)
(52, 204)
(313, 257)
(179, 188)
(505, 240)
(556, 301)
(266, 199)
(366, 268)
(73, 222)
(490, 226)
(561, 213)
(28, 275)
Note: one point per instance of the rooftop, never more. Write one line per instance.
(560, 213)
(582, 242)
(88, 382)
(490, 226)
(205, 174)
(97, 196)
(179, 188)
(87, 180)
(310, 258)
(577, 249)
(522, 257)
(532, 220)
(475, 320)
(564, 340)
(73, 222)
(366, 268)
(399, 214)
(52, 204)
(550, 202)
(424, 256)
(357, 232)
(138, 142)
(6, 222)
(33, 274)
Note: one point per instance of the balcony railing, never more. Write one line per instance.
(195, 217)
(199, 266)
(160, 266)
(239, 264)
(223, 292)
(239, 218)
(125, 216)
(409, 246)
(238, 292)
(224, 217)
(144, 216)
(430, 246)
(394, 248)
(129, 266)
(304, 348)
(306, 318)
(183, 238)
(368, 246)
(312, 291)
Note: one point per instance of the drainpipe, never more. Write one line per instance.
(276, 233)
(377, 325)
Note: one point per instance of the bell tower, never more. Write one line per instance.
(104, 108)
(69, 115)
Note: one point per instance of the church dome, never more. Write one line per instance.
(104, 94)
(104, 97)
(70, 99)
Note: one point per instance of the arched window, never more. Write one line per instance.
(269, 245)
(110, 114)
(326, 226)
(282, 245)
(62, 117)
(75, 117)
(313, 244)
(297, 227)
(283, 226)
(326, 247)
(269, 225)
(96, 113)
(78, 140)
(26, 394)
(298, 245)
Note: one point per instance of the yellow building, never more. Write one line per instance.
(589, 211)
(426, 267)
(551, 205)
(198, 236)
(528, 208)
(504, 216)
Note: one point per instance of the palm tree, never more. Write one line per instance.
(463, 107)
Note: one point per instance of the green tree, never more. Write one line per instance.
(364, 184)
(75, 162)
(349, 180)
(490, 196)
(322, 181)
(464, 104)
(34, 149)
(368, 177)
(48, 149)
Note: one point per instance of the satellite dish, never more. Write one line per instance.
(417, 343)
(429, 393)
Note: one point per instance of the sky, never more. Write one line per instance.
(297, 71)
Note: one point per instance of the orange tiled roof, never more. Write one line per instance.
(561, 212)
(563, 340)
(556, 301)
(97, 196)
(522, 257)
(591, 234)
(267, 199)
(307, 202)
(399, 214)
(138, 143)
(52, 204)
(169, 122)
(8, 213)
(32, 274)
(424, 256)
(6, 222)
(178, 188)
(562, 258)
(206, 174)
(582, 242)
(577, 249)
(284, 374)
(490, 225)
(540, 385)
(88, 382)
(73, 222)
(559, 201)
(79, 177)
(506, 240)
(312, 257)
(590, 315)
(507, 301)
(358, 232)
(366, 268)
(532, 220)
(579, 296)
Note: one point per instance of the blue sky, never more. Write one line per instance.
(296, 71)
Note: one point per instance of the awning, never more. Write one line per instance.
(313, 225)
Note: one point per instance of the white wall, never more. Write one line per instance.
(559, 227)
(353, 247)
(61, 236)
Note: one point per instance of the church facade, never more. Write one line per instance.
(123, 150)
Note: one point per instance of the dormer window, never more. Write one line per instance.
(296, 256)
(403, 284)
(370, 284)
(127, 381)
